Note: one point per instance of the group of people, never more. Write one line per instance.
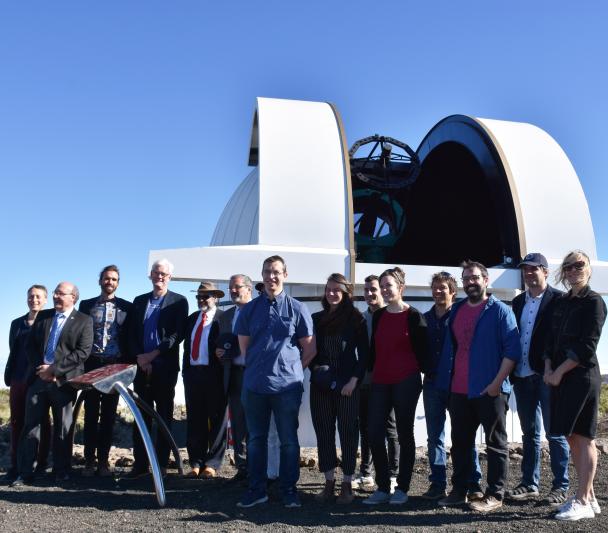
(367, 373)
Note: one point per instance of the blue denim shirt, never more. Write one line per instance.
(496, 337)
(435, 329)
(272, 361)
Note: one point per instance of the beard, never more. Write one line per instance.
(474, 292)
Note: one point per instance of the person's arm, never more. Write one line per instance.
(244, 344)
(506, 367)
(309, 349)
(554, 378)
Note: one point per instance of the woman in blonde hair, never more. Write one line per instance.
(336, 371)
(572, 369)
(399, 352)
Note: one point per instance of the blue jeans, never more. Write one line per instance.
(285, 406)
(435, 406)
(533, 402)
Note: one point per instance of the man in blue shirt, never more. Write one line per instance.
(276, 338)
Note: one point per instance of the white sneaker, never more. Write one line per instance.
(393, 483)
(576, 511)
(377, 497)
(565, 505)
(363, 482)
(398, 497)
(595, 506)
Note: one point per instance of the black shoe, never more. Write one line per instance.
(241, 475)
(136, 473)
(11, 475)
(555, 498)
(475, 494)
(20, 482)
(521, 493)
(434, 493)
(453, 498)
(40, 469)
(62, 477)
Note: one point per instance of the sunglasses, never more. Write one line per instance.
(203, 296)
(579, 265)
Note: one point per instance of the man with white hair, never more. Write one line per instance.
(156, 328)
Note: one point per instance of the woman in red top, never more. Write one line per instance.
(399, 352)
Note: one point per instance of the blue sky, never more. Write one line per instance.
(124, 126)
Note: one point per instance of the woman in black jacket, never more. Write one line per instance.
(336, 370)
(399, 353)
(572, 369)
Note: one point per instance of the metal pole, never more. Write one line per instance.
(145, 435)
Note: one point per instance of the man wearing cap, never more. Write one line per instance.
(533, 309)
(203, 375)
(240, 287)
(156, 328)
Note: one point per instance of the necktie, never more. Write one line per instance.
(196, 346)
(49, 355)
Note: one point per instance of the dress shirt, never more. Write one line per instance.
(526, 327)
(61, 319)
(203, 349)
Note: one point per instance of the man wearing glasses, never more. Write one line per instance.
(59, 344)
(204, 386)
(480, 351)
(276, 338)
(156, 328)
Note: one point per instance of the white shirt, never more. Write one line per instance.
(526, 327)
(203, 354)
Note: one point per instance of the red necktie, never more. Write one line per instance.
(196, 347)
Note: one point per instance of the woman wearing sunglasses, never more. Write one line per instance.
(572, 369)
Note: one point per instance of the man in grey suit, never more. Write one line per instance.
(59, 344)
(240, 287)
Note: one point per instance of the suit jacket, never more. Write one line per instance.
(542, 325)
(73, 346)
(213, 335)
(123, 311)
(12, 338)
(171, 328)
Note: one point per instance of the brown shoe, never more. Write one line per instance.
(346, 493)
(489, 503)
(327, 494)
(195, 472)
(208, 473)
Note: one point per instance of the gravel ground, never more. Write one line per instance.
(87, 504)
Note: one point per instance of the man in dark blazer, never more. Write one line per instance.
(240, 287)
(156, 328)
(204, 386)
(59, 344)
(533, 309)
(109, 314)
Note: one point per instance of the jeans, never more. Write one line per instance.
(285, 406)
(435, 408)
(403, 397)
(533, 402)
(466, 415)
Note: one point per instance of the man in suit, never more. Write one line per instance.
(58, 346)
(15, 377)
(533, 309)
(156, 327)
(204, 386)
(109, 314)
(240, 287)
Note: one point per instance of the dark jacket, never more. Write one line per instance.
(576, 326)
(542, 325)
(355, 348)
(73, 346)
(213, 334)
(12, 354)
(418, 337)
(123, 311)
(171, 328)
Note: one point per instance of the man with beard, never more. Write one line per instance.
(240, 287)
(109, 314)
(204, 386)
(443, 291)
(480, 351)
(374, 301)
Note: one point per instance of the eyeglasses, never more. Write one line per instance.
(474, 277)
(273, 273)
(237, 287)
(57, 293)
(161, 274)
(578, 266)
(203, 296)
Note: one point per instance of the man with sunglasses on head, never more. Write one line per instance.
(481, 349)
(443, 291)
(155, 331)
(533, 310)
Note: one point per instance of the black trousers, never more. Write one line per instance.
(238, 423)
(206, 411)
(391, 437)
(158, 391)
(99, 417)
(327, 407)
(40, 396)
(467, 415)
(403, 398)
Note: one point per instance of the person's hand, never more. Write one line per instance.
(143, 359)
(492, 390)
(553, 379)
(547, 376)
(46, 373)
(147, 368)
(348, 389)
(219, 353)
